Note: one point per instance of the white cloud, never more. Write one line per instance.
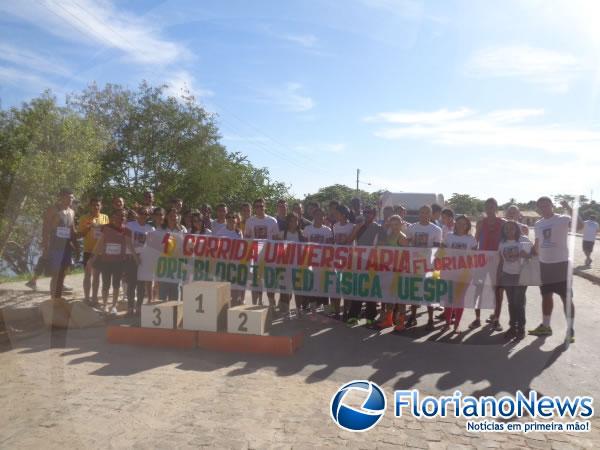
(440, 115)
(288, 98)
(99, 22)
(183, 83)
(511, 128)
(552, 70)
(31, 60)
(305, 40)
(21, 79)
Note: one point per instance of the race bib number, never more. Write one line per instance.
(113, 249)
(63, 232)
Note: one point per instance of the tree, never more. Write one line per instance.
(43, 147)
(465, 204)
(342, 194)
(170, 146)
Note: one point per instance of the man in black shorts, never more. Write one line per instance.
(551, 234)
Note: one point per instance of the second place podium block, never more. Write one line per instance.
(248, 319)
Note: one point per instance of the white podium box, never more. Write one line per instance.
(205, 305)
(248, 319)
(162, 315)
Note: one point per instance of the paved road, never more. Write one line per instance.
(74, 386)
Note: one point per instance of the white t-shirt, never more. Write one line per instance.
(265, 228)
(464, 242)
(446, 230)
(215, 226)
(590, 228)
(226, 232)
(424, 235)
(510, 251)
(552, 236)
(342, 232)
(321, 235)
(138, 234)
(291, 236)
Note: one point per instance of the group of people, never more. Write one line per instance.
(112, 245)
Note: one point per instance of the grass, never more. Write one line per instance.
(27, 276)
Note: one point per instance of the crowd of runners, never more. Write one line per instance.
(112, 244)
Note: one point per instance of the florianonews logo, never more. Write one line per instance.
(358, 419)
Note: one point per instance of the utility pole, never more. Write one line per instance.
(357, 175)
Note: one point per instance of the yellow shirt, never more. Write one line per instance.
(92, 236)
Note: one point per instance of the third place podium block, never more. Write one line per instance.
(248, 319)
(205, 305)
(161, 315)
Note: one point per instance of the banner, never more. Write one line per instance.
(421, 276)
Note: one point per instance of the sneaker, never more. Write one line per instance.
(510, 333)
(541, 330)
(430, 325)
(475, 324)
(490, 319)
(113, 311)
(370, 323)
(399, 328)
(352, 321)
(388, 321)
(570, 337)
(31, 284)
(67, 288)
(496, 326)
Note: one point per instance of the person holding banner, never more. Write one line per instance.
(90, 228)
(551, 235)
(366, 233)
(111, 255)
(292, 233)
(320, 234)
(221, 221)
(261, 226)
(459, 239)
(425, 234)
(395, 313)
(139, 229)
(342, 229)
(513, 247)
(172, 224)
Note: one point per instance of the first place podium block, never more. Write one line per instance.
(248, 319)
(162, 315)
(205, 305)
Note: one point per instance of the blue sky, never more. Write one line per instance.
(484, 98)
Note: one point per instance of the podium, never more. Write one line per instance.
(162, 315)
(249, 319)
(205, 305)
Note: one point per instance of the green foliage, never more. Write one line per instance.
(169, 146)
(343, 194)
(43, 147)
(466, 204)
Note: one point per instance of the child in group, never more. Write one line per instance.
(198, 225)
(461, 239)
(425, 234)
(320, 234)
(231, 231)
(111, 255)
(513, 247)
(168, 290)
